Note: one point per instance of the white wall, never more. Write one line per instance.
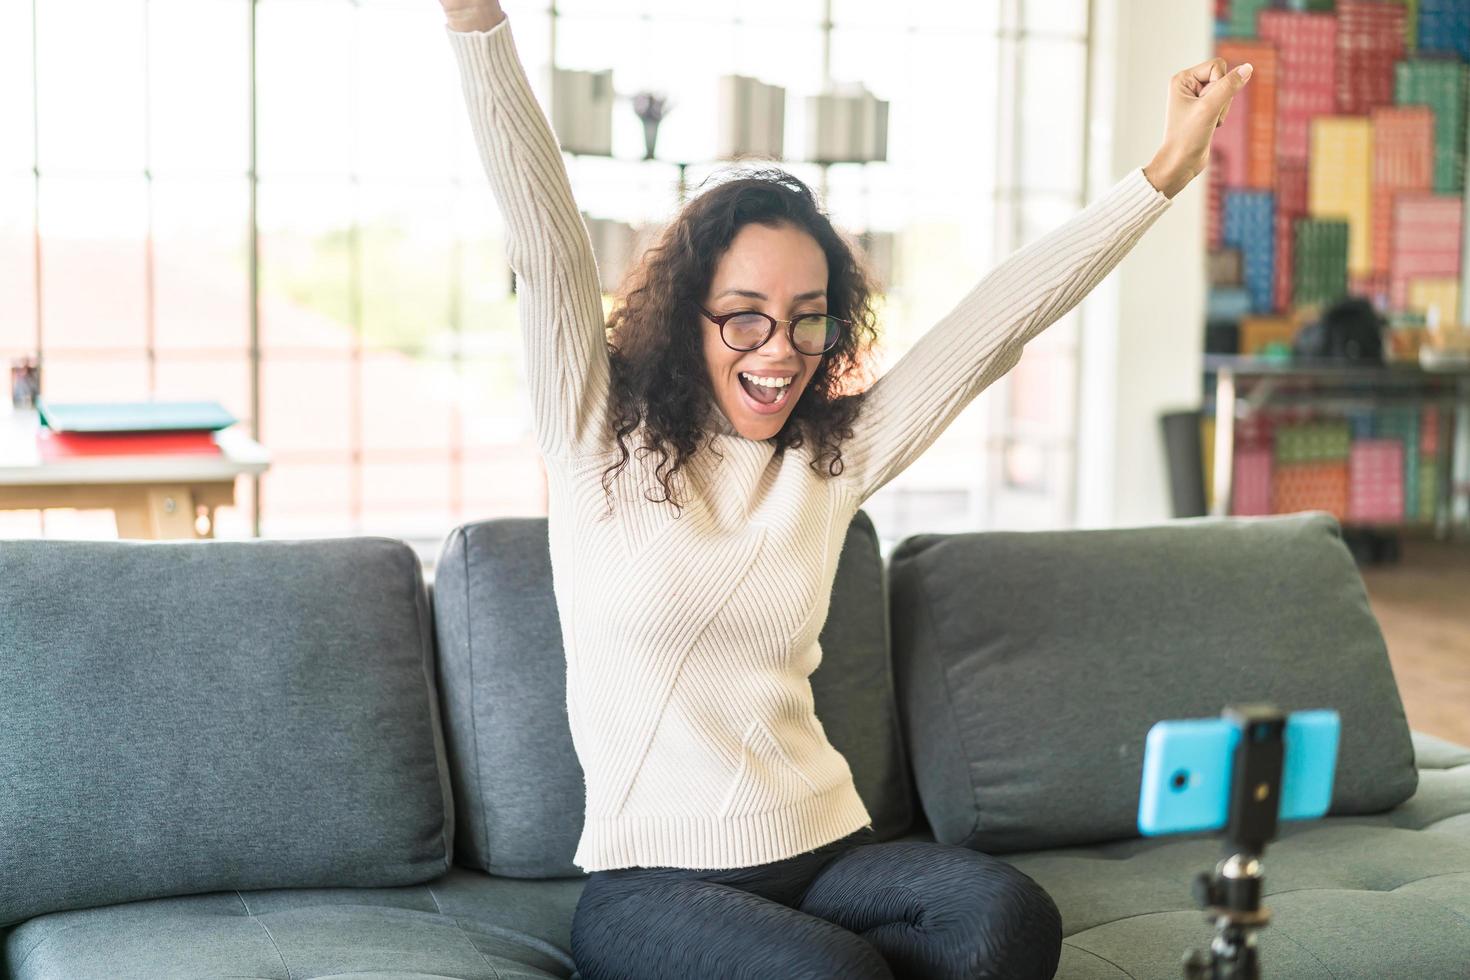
(1142, 334)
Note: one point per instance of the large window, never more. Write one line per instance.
(373, 347)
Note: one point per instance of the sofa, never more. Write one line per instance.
(297, 759)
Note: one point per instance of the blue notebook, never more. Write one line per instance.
(132, 416)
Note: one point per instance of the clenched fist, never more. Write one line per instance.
(1199, 98)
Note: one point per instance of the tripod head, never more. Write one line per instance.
(1231, 896)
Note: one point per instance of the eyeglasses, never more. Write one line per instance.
(810, 333)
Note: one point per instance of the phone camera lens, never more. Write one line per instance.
(1179, 780)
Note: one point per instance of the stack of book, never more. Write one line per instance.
(1249, 224)
(581, 110)
(74, 429)
(752, 118)
(846, 124)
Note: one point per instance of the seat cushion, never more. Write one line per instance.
(518, 785)
(1345, 901)
(465, 924)
(1031, 666)
(1386, 895)
(178, 717)
(1380, 895)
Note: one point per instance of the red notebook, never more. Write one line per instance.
(61, 445)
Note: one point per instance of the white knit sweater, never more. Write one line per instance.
(690, 641)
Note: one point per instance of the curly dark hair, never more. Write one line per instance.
(659, 379)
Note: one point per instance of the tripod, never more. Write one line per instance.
(1231, 897)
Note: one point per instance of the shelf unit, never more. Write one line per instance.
(1248, 385)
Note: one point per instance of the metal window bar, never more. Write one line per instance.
(1011, 194)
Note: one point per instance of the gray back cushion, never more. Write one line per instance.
(1031, 665)
(191, 716)
(519, 791)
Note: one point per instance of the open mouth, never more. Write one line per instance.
(765, 399)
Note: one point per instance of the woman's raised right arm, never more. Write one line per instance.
(559, 295)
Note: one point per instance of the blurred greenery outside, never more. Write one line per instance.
(406, 292)
(405, 289)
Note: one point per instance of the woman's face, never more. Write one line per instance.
(780, 271)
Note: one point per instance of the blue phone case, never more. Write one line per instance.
(1187, 766)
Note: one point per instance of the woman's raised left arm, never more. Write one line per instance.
(982, 338)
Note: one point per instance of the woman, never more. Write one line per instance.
(706, 449)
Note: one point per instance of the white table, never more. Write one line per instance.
(153, 496)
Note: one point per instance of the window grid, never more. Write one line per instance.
(1050, 497)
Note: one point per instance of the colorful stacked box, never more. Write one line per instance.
(1376, 481)
(1444, 25)
(1241, 19)
(1215, 204)
(1249, 225)
(1340, 181)
(1306, 52)
(1291, 203)
(1250, 491)
(1320, 262)
(1312, 442)
(1343, 109)
(1293, 183)
(1311, 486)
(1426, 240)
(1252, 451)
(1402, 424)
(1369, 466)
(1429, 432)
(1230, 146)
(1360, 423)
(1259, 332)
(1281, 284)
(1255, 431)
(1403, 160)
(1249, 130)
(1464, 296)
(1428, 470)
(1439, 84)
(1370, 38)
(1437, 298)
(1227, 303)
(1372, 286)
(1424, 508)
(1224, 267)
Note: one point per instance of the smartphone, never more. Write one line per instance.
(1187, 767)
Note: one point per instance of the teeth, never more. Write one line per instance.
(766, 382)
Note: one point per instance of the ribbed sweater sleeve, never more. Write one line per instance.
(559, 296)
(982, 337)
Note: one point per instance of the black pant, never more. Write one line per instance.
(853, 909)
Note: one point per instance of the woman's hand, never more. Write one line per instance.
(472, 15)
(1199, 98)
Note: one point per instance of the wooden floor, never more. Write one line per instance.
(1423, 605)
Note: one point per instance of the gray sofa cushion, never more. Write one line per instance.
(1366, 896)
(518, 786)
(1031, 665)
(184, 716)
(464, 924)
